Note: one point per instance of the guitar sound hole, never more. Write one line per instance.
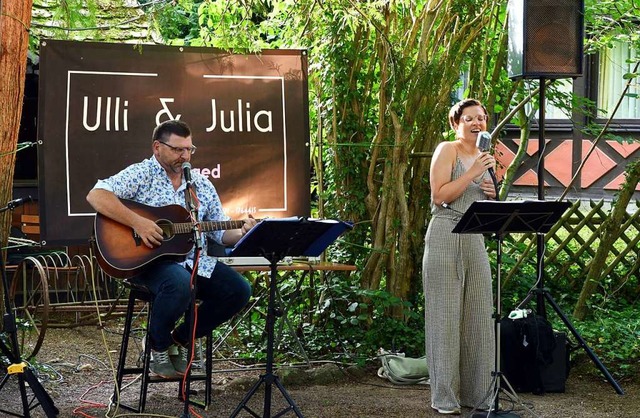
(166, 229)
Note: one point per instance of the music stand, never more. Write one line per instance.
(499, 218)
(14, 364)
(275, 239)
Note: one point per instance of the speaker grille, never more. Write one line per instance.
(545, 38)
(551, 32)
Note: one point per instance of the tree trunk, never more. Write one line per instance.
(611, 231)
(392, 76)
(510, 174)
(15, 20)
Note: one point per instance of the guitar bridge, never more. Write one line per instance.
(137, 239)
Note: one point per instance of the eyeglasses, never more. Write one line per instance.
(178, 150)
(469, 118)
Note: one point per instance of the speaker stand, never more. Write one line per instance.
(541, 293)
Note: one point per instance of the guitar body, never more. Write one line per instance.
(122, 254)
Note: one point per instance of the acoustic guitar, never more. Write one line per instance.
(121, 252)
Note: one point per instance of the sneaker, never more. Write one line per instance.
(180, 361)
(161, 365)
(173, 350)
(445, 411)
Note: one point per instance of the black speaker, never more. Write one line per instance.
(545, 38)
(554, 376)
(534, 357)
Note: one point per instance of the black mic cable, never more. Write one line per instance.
(445, 205)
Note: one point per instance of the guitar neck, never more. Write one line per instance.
(207, 226)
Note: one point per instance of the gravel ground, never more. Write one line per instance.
(82, 385)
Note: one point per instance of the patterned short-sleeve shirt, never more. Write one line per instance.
(148, 183)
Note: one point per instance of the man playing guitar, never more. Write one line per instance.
(159, 181)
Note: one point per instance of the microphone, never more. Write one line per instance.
(186, 171)
(189, 199)
(483, 143)
(12, 204)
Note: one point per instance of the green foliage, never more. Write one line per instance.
(614, 335)
(399, 335)
(608, 21)
(355, 322)
(338, 320)
(75, 13)
(331, 319)
(380, 92)
(178, 22)
(67, 17)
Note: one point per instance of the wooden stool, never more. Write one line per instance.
(138, 292)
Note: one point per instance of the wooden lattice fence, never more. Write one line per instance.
(572, 243)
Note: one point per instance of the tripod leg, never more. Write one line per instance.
(247, 397)
(43, 397)
(269, 378)
(292, 404)
(584, 345)
(267, 397)
(23, 396)
(25, 376)
(495, 411)
(576, 334)
(4, 380)
(292, 330)
(19, 368)
(511, 393)
(4, 409)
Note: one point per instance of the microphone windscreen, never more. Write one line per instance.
(186, 172)
(483, 143)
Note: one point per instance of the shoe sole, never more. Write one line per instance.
(180, 372)
(446, 411)
(176, 376)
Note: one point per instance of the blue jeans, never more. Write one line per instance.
(221, 296)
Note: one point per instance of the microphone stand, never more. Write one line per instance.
(14, 364)
(198, 247)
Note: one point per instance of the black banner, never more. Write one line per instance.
(100, 102)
